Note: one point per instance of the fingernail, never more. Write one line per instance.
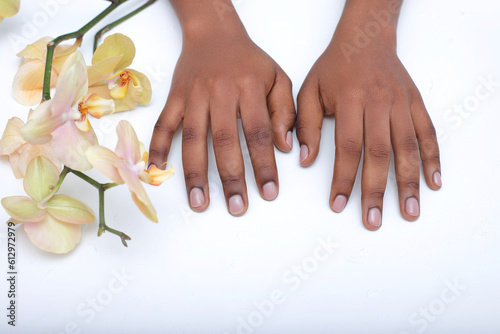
(289, 139)
(374, 217)
(339, 203)
(196, 197)
(235, 204)
(411, 206)
(270, 191)
(436, 178)
(304, 153)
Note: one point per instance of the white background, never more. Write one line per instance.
(210, 272)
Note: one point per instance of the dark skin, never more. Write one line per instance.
(222, 75)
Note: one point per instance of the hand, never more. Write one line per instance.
(375, 104)
(222, 75)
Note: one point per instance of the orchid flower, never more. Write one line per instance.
(52, 222)
(28, 81)
(128, 165)
(110, 77)
(19, 151)
(8, 8)
(62, 121)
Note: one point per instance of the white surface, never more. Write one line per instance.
(205, 273)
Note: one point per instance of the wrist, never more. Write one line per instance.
(205, 19)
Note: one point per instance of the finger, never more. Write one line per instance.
(428, 145)
(194, 151)
(407, 162)
(348, 148)
(228, 152)
(376, 159)
(309, 122)
(164, 130)
(282, 109)
(258, 134)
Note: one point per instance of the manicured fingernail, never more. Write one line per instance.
(304, 153)
(436, 178)
(411, 206)
(289, 139)
(196, 197)
(270, 191)
(235, 204)
(339, 203)
(374, 217)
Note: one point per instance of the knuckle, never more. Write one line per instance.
(376, 193)
(431, 159)
(224, 139)
(162, 127)
(190, 176)
(248, 82)
(155, 153)
(259, 137)
(409, 144)
(350, 147)
(264, 170)
(409, 184)
(230, 180)
(189, 135)
(379, 152)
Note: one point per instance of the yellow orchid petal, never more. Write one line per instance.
(139, 195)
(83, 124)
(53, 236)
(102, 70)
(114, 46)
(128, 147)
(119, 88)
(41, 123)
(143, 153)
(139, 79)
(28, 82)
(9, 8)
(13, 220)
(72, 84)
(37, 50)
(12, 139)
(23, 208)
(1, 19)
(69, 210)
(98, 106)
(103, 159)
(41, 177)
(158, 176)
(70, 145)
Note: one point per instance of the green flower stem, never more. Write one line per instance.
(110, 26)
(78, 35)
(101, 187)
(55, 189)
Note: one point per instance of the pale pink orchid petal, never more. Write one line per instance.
(52, 235)
(28, 82)
(128, 147)
(72, 84)
(114, 46)
(41, 123)
(98, 106)
(23, 209)
(37, 50)
(11, 138)
(70, 145)
(139, 195)
(41, 177)
(19, 151)
(104, 160)
(69, 210)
